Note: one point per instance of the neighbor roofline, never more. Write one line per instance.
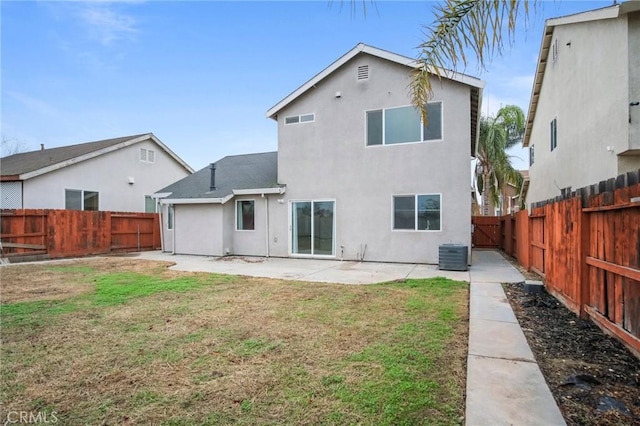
(609, 12)
(106, 150)
(10, 178)
(374, 51)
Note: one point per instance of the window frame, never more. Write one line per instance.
(415, 212)
(171, 217)
(83, 194)
(149, 155)
(553, 133)
(299, 118)
(254, 215)
(383, 129)
(532, 157)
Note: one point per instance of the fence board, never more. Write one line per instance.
(588, 251)
(67, 233)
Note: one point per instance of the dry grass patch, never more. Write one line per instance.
(143, 345)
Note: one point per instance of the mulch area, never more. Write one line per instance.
(594, 379)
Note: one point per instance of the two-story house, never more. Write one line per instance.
(117, 174)
(357, 174)
(583, 124)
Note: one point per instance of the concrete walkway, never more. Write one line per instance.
(504, 383)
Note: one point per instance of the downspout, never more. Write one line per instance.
(173, 250)
(161, 227)
(266, 205)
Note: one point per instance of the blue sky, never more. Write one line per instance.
(200, 75)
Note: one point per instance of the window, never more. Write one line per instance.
(403, 125)
(245, 215)
(149, 204)
(304, 118)
(170, 216)
(531, 156)
(417, 212)
(76, 199)
(554, 134)
(147, 155)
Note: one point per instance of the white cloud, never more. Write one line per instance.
(105, 24)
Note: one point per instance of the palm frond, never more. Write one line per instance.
(461, 26)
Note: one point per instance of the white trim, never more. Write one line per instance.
(196, 200)
(161, 194)
(236, 216)
(259, 191)
(97, 153)
(373, 51)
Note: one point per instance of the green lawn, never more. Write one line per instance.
(109, 341)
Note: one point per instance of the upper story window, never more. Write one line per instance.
(147, 155)
(531, 156)
(403, 125)
(553, 137)
(304, 118)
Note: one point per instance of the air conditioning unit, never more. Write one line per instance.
(453, 257)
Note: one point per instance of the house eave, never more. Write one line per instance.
(609, 12)
(374, 51)
(260, 191)
(97, 153)
(217, 200)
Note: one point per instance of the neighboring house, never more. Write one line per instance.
(583, 124)
(509, 200)
(117, 174)
(357, 175)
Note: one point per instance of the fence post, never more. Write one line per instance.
(108, 231)
(584, 226)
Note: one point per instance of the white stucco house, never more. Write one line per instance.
(356, 176)
(583, 124)
(117, 174)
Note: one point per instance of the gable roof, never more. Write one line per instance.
(609, 12)
(235, 174)
(27, 165)
(476, 84)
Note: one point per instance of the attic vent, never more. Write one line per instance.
(363, 72)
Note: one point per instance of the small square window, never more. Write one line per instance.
(72, 199)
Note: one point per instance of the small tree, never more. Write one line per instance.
(12, 146)
(493, 166)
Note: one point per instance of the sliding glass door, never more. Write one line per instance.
(312, 228)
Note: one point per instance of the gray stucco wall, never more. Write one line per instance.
(587, 90)
(249, 243)
(328, 159)
(198, 229)
(109, 175)
(634, 81)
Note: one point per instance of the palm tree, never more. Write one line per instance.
(462, 26)
(493, 165)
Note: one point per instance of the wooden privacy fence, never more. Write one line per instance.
(586, 245)
(67, 233)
